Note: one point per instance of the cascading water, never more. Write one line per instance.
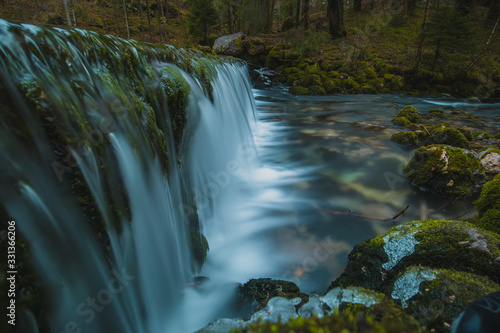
(100, 163)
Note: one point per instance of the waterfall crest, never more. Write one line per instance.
(104, 147)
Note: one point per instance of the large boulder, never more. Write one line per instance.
(490, 159)
(445, 171)
(229, 45)
(440, 244)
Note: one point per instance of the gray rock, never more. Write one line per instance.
(229, 44)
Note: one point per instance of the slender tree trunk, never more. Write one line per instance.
(411, 7)
(422, 36)
(229, 20)
(436, 54)
(66, 11)
(140, 18)
(149, 21)
(73, 10)
(271, 16)
(159, 22)
(297, 13)
(163, 17)
(305, 12)
(357, 5)
(126, 18)
(335, 13)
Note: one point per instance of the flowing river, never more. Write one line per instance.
(278, 181)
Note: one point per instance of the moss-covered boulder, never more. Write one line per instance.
(410, 113)
(298, 90)
(401, 121)
(446, 171)
(229, 44)
(438, 113)
(258, 292)
(438, 244)
(448, 136)
(488, 206)
(481, 135)
(345, 314)
(405, 138)
(437, 296)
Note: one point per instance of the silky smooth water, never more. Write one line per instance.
(269, 173)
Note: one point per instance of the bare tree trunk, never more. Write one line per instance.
(140, 18)
(159, 22)
(335, 13)
(422, 36)
(305, 12)
(149, 21)
(297, 14)
(73, 10)
(126, 18)
(66, 11)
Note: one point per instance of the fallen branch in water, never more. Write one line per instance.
(349, 213)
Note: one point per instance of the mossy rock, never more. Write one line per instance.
(445, 171)
(382, 317)
(438, 113)
(349, 84)
(405, 138)
(490, 159)
(368, 89)
(316, 90)
(298, 90)
(395, 83)
(467, 133)
(449, 136)
(435, 297)
(312, 69)
(333, 74)
(490, 220)
(490, 196)
(332, 86)
(410, 113)
(401, 121)
(258, 292)
(481, 135)
(438, 244)
(311, 80)
(360, 78)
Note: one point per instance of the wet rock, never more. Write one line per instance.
(482, 315)
(437, 244)
(446, 171)
(229, 44)
(435, 297)
(410, 113)
(490, 160)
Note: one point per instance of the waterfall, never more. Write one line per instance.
(116, 157)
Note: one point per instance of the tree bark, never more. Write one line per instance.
(305, 13)
(335, 13)
(297, 13)
(140, 18)
(149, 21)
(66, 11)
(73, 10)
(422, 36)
(126, 18)
(357, 5)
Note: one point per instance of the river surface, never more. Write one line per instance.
(320, 158)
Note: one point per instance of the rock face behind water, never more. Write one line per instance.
(229, 44)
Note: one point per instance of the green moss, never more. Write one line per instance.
(438, 113)
(332, 86)
(311, 80)
(438, 244)
(481, 135)
(449, 136)
(385, 317)
(467, 133)
(401, 121)
(368, 89)
(445, 171)
(349, 84)
(313, 69)
(298, 90)
(410, 113)
(443, 298)
(406, 138)
(490, 220)
(317, 90)
(490, 196)
(259, 291)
